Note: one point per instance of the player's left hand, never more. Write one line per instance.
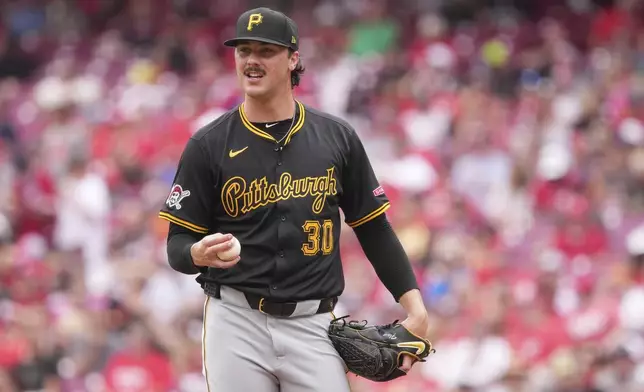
(418, 325)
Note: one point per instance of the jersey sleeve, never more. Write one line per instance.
(189, 202)
(363, 198)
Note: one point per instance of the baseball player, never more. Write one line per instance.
(273, 174)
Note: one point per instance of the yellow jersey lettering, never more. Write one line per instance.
(232, 191)
(239, 197)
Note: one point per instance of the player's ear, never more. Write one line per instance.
(294, 57)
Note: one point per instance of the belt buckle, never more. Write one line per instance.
(261, 306)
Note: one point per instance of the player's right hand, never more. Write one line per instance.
(204, 252)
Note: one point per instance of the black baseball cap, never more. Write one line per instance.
(266, 25)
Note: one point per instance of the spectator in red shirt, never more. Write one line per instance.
(35, 195)
(139, 367)
(580, 236)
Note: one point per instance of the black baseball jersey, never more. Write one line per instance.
(281, 199)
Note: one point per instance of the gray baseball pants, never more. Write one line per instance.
(245, 350)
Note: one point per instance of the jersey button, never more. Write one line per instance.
(279, 163)
(281, 253)
(274, 287)
(283, 218)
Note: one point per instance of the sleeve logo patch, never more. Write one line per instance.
(176, 195)
(378, 191)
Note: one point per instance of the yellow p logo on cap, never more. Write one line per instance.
(254, 19)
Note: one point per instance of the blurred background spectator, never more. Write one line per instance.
(509, 136)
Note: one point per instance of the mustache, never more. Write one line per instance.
(254, 69)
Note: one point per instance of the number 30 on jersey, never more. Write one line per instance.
(319, 237)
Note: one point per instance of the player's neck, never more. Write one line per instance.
(276, 108)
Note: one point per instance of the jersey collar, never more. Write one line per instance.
(299, 113)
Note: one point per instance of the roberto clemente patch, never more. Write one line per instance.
(239, 197)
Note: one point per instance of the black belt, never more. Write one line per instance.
(273, 308)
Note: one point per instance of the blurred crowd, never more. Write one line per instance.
(509, 136)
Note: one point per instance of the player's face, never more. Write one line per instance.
(263, 68)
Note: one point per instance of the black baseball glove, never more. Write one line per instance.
(376, 352)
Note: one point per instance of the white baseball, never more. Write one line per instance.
(232, 252)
